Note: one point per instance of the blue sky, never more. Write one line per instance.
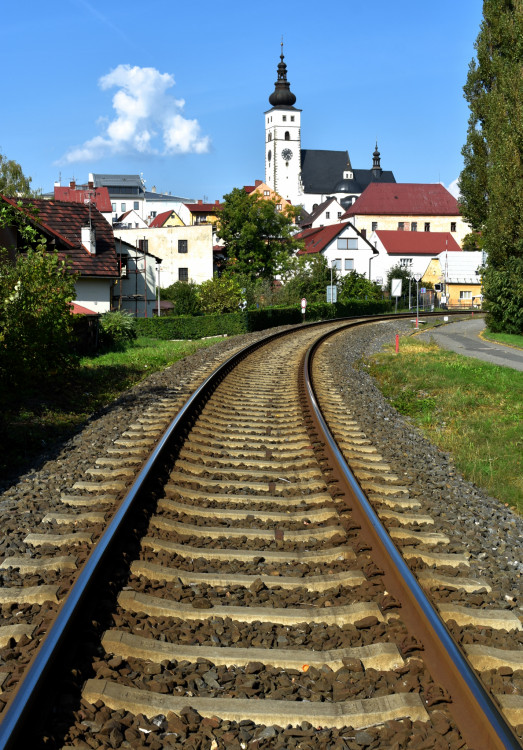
(177, 91)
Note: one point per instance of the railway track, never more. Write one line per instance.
(252, 603)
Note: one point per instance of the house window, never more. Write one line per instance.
(401, 226)
(113, 207)
(122, 207)
(327, 214)
(374, 226)
(336, 264)
(287, 135)
(292, 118)
(183, 274)
(266, 192)
(427, 226)
(284, 118)
(182, 248)
(349, 264)
(465, 294)
(413, 226)
(136, 205)
(270, 137)
(406, 262)
(339, 214)
(452, 226)
(124, 271)
(153, 214)
(278, 207)
(347, 243)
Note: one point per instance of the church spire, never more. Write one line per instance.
(282, 95)
(376, 163)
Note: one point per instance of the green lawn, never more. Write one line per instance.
(471, 409)
(504, 338)
(35, 419)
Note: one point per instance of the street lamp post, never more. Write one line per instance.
(417, 278)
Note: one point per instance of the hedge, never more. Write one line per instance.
(191, 326)
(199, 326)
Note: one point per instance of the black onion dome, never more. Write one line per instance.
(282, 95)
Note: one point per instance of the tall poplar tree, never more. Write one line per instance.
(491, 182)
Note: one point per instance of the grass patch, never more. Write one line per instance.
(471, 409)
(34, 419)
(511, 339)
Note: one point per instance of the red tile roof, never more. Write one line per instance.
(208, 208)
(417, 243)
(318, 238)
(160, 220)
(77, 309)
(404, 199)
(99, 196)
(62, 222)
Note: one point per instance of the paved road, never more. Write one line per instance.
(463, 337)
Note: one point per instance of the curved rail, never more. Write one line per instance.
(17, 717)
(480, 718)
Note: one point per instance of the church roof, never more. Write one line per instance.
(404, 199)
(322, 172)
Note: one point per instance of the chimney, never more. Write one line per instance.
(72, 185)
(90, 184)
(216, 203)
(153, 189)
(58, 183)
(257, 182)
(200, 202)
(89, 239)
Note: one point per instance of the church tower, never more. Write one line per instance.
(283, 140)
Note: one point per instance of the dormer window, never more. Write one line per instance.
(348, 176)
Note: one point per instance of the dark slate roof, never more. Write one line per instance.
(405, 199)
(417, 243)
(322, 172)
(62, 222)
(321, 208)
(151, 195)
(113, 180)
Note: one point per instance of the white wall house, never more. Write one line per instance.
(342, 246)
(412, 251)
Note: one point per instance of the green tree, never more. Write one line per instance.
(356, 285)
(401, 272)
(258, 238)
(308, 277)
(221, 294)
(491, 182)
(13, 182)
(184, 296)
(503, 288)
(473, 241)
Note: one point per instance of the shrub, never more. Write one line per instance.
(184, 296)
(117, 329)
(503, 290)
(36, 338)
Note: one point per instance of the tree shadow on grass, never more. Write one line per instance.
(38, 418)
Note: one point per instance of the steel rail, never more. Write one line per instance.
(484, 725)
(17, 719)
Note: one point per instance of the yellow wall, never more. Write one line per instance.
(174, 221)
(434, 274)
(437, 224)
(163, 243)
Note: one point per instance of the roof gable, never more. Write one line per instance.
(404, 199)
(63, 222)
(98, 196)
(318, 238)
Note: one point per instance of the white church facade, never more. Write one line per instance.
(308, 177)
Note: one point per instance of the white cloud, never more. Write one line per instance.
(453, 188)
(148, 120)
